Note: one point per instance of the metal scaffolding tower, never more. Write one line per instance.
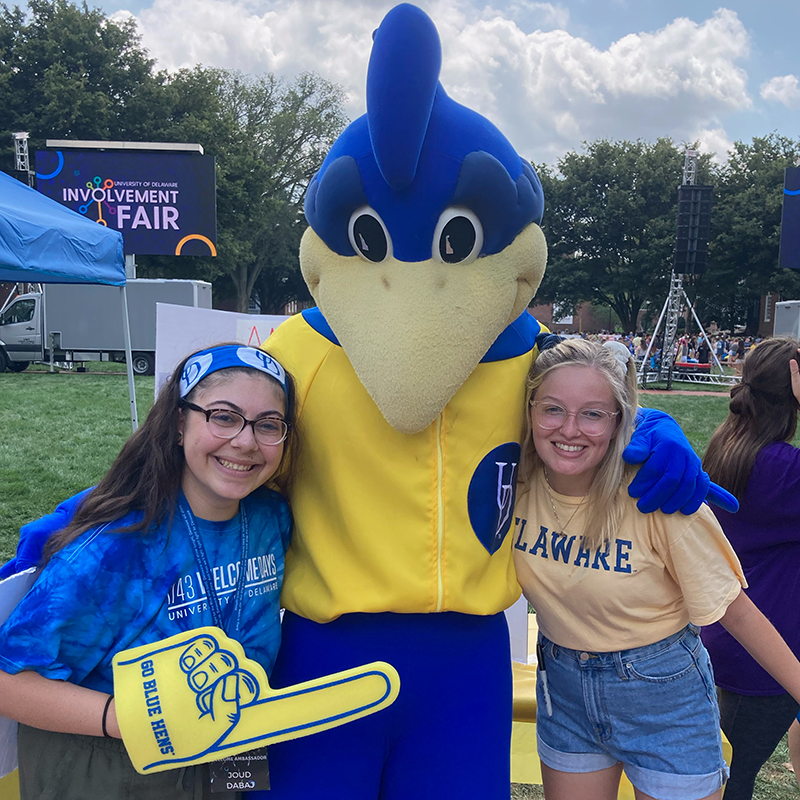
(21, 161)
(690, 168)
(675, 297)
(674, 309)
(21, 164)
(694, 208)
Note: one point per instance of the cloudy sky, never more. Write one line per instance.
(550, 75)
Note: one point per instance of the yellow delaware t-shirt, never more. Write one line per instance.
(660, 572)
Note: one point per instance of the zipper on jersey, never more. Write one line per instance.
(440, 513)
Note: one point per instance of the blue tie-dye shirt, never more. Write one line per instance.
(107, 592)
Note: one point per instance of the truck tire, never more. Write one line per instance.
(144, 364)
(3, 361)
(18, 366)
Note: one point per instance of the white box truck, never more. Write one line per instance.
(787, 319)
(83, 322)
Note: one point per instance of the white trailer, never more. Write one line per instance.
(83, 322)
(787, 319)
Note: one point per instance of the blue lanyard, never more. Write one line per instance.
(206, 574)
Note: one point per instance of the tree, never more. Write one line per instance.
(69, 72)
(269, 137)
(280, 280)
(611, 217)
(284, 131)
(745, 233)
(610, 222)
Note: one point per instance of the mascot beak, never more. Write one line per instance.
(414, 331)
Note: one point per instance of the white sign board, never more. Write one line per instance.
(517, 619)
(181, 330)
(787, 318)
(12, 590)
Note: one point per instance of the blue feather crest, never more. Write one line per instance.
(401, 85)
(416, 152)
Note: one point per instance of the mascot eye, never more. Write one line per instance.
(458, 237)
(368, 235)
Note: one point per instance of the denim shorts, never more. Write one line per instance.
(653, 709)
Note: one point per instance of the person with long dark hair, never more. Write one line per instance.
(751, 456)
(185, 497)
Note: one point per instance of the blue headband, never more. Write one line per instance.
(202, 364)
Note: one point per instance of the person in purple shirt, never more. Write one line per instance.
(750, 455)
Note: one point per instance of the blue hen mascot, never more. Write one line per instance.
(423, 254)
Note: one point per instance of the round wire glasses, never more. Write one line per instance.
(590, 421)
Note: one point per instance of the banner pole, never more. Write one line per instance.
(126, 331)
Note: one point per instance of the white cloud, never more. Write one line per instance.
(531, 15)
(783, 89)
(550, 90)
(714, 141)
(546, 89)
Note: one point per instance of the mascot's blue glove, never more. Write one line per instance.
(671, 478)
(34, 535)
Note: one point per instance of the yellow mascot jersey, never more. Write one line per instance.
(408, 523)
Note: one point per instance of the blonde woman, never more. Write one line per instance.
(624, 680)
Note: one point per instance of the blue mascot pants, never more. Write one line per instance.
(448, 734)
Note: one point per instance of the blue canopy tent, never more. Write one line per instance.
(42, 241)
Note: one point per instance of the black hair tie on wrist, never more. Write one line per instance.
(105, 717)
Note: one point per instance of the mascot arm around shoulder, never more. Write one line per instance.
(671, 478)
(34, 535)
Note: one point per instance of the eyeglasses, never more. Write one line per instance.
(590, 421)
(227, 424)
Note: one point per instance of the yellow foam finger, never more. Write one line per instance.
(168, 718)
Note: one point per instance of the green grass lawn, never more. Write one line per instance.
(62, 431)
(698, 416)
(60, 434)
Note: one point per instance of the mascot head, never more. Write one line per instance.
(424, 239)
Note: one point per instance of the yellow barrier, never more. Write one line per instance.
(9, 787)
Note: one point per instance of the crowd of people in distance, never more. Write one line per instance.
(690, 348)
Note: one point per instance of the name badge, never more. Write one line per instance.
(246, 772)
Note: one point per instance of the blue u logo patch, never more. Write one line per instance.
(491, 495)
